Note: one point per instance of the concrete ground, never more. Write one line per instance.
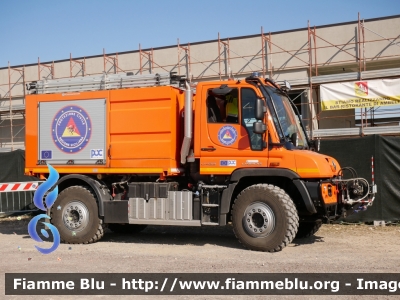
(334, 248)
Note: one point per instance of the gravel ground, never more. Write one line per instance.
(162, 249)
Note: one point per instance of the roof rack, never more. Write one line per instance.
(103, 82)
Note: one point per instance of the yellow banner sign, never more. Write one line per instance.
(360, 94)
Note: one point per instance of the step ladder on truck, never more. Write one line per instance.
(138, 150)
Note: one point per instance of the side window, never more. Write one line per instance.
(223, 107)
(213, 110)
(249, 98)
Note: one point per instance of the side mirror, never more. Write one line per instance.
(259, 127)
(260, 109)
(294, 139)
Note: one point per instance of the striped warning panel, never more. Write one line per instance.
(19, 186)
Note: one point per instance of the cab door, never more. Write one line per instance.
(228, 144)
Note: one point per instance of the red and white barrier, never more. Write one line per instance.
(19, 186)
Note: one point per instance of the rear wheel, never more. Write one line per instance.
(75, 214)
(307, 229)
(264, 218)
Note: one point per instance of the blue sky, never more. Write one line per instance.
(53, 29)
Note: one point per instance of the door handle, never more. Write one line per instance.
(208, 149)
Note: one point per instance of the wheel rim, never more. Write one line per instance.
(258, 220)
(75, 216)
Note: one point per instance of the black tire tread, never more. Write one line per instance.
(101, 227)
(291, 216)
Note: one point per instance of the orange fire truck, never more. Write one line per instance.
(138, 150)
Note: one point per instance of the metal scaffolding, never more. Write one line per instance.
(271, 59)
(111, 62)
(16, 79)
(359, 59)
(76, 67)
(146, 58)
(45, 71)
(186, 59)
(224, 51)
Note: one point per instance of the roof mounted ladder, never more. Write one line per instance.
(102, 82)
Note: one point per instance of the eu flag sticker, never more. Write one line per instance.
(228, 163)
(46, 154)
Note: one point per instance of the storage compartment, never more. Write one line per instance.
(72, 132)
(148, 190)
(176, 209)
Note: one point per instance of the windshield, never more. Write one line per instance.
(285, 118)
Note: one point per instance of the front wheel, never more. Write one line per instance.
(264, 218)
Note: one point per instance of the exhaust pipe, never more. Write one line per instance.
(188, 114)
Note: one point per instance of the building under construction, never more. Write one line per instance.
(309, 58)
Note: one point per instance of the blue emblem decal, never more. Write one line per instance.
(227, 135)
(71, 129)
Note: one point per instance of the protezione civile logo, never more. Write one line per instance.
(49, 200)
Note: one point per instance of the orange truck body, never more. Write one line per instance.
(145, 131)
(153, 155)
(142, 135)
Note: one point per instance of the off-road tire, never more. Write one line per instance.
(264, 200)
(126, 228)
(84, 210)
(307, 229)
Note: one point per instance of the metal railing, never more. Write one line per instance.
(17, 197)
